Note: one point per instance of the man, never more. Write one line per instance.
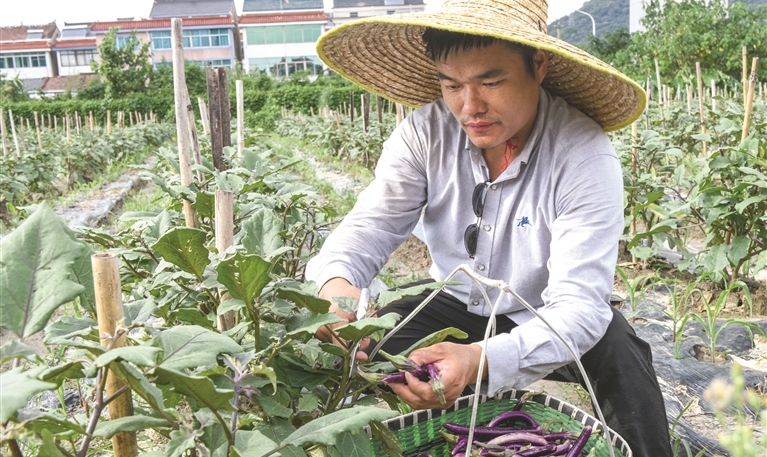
(512, 175)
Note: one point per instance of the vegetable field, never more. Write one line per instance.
(215, 344)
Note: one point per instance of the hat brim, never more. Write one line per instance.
(386, 56)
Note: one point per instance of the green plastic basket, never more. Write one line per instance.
(419, 431)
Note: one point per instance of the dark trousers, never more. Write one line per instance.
(619, 367)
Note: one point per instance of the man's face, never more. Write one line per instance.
(491, 93)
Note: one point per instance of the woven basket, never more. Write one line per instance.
(419, 431)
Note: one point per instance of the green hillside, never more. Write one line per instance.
(608, 15)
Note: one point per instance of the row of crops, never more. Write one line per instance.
(266, 385)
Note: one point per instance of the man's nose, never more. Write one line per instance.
(473, 102)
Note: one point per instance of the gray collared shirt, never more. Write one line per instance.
(550, 229)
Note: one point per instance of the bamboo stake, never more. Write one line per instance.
(22, 140)
(182, 122)
(69, 128)
(50, 124)
(26, 119)
(37, 130)
(713, 94)
(204, 116)
(241, 117)
(700, 104)
(351, 109)
(745, 75)
(3, 133)
(130, 116)
(77, 123)
(90, 120)
(109, 309)
(689, 99)
(750, 98)
(225, 108)
(193, 136)
(225, 239)
(660, 95)
(13, 132)
(55, 124)
(216, 124)
(365, 108)
(109, 122)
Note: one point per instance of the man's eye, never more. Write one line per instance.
(492, 84)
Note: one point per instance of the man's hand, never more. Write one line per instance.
(339, 287)
(457, 364)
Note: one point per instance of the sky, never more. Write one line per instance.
(37, 12)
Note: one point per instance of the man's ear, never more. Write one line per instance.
(540, 64)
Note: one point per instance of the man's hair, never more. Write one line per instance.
(441, 43)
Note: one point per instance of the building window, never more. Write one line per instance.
(78, 58)
(160, 40)
(390, 12)
(280, 34)
(23, 60)
(354, 14)
(206, 38)
(213, 63)
(123, 41)
(286, 66)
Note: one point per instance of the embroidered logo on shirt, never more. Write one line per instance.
(523, 221)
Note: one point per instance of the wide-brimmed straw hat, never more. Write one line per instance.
(386, 55)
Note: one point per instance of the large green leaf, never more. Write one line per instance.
(191, 346)
(303, 299)
(143, 356)
(738, 248)
(107, 429)
(185, 248)
(14, 350)
(262, 233)
(437, 337)
(59, 373)
(35, 267)
(36, 421)
(200, 388)
(325, 430)
(302, 326)
(357, 330)
(252, 443)
(244, 276)
(277, 429)
(138, 384)
(49, 448)
(139, 311)
(272, 408)
(354, 444)
(82, 273)
(181, 441)
(16, 387)
(388, 296)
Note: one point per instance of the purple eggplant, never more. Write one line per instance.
(538, 451)
(435, 380)
(518, 437)
(487, 432)
(511, 417)
(580, 443)
(403, 363)
(382, 378)
(563, 448)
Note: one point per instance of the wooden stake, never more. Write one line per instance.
(700, 104)
(77, 123)
(750, 98)
(745, 75)
(226, 109)
(365, 107)
(224, 239)
(90, 119)
(109, 122)
(216, 125)
(37, 130)
(182, 123)
(241, 117)
(3, 133)
(13, 132)
(193, 137)
(689, 99)
(713, 94)
(351, 109)
(660, 94)
(55, 124)
(22, 140)
(109, 309)
(69, 128)
(50, 124)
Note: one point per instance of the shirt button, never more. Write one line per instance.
(486, 227)
(494, 186)
(481, 267)
(475, 302)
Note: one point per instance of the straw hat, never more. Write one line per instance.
(386, 56)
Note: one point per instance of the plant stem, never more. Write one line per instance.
(13, 445)
(102, 381)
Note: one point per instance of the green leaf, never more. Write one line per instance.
(325, 430)
(300, 326)
(191, 346)
(205, 204)
(82, 273)
(66, 329)
(354, 444)
(304, 300)
(59, 373)
(185, 248)
(244, 276)
(15, 350)
(252, 443)
(139, 311)
(389, 296)
(716, 259)
(702, 137)
(107, 429)
(437, 337)
(355, 331)
(180, 441)
(277, 430)
(37, 421)
(389, 442)
(262, 233)
(233, 304)
(738, 249)
(750, 200)
(49, 447)
(143, 356)
(200, 388)
(272, 408)
(35, 267)
(138, 384)
(16, 387)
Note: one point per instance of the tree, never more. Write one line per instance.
(125, 69)
(12, 90)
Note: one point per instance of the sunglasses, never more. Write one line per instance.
(471, 234)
